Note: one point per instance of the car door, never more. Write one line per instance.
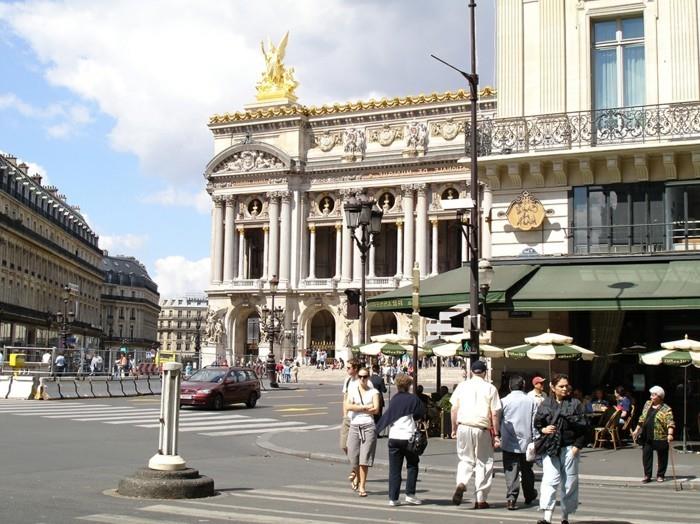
(231, 387)
(242, 390)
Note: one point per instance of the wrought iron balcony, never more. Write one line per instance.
(594, 128)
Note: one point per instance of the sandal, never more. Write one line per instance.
(362, 493)
(355, 483)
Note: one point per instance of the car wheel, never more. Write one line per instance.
(218, 402)
(252, 400)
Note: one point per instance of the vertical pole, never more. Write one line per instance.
(474, 226)
(363, 258)
(167, 459)
(415, 322)
(685, 409)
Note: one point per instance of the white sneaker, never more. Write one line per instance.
(413, 500)
(394, 503)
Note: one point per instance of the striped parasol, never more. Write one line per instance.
(680, 353)
(675, 353)
(385, 348)
(550, 346)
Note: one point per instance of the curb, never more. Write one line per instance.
(264, 442)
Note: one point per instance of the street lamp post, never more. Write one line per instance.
(272, 318)
(362, 212)
(470, 145)
(65, 319)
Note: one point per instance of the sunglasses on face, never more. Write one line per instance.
(363, 376)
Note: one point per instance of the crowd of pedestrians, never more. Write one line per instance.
(528, 428)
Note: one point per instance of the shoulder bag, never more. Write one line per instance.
(419, 440)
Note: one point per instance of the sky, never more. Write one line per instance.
(109, 99)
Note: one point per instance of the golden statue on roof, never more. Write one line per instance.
(277, 83)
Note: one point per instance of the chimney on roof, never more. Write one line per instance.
(36, 177)
(23, 168)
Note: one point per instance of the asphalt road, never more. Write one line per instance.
(62, 460)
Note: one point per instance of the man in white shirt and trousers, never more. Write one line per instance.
(476, 411)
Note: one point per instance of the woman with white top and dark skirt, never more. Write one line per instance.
(404, 409)
(361, 404)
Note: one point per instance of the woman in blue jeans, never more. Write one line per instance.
(404, 409)
(561, 419)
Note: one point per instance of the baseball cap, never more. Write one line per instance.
(479, 366)
(537, 380)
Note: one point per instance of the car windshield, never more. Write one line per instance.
(208, 375)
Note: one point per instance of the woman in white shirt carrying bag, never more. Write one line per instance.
(362, 404)
(401, 416)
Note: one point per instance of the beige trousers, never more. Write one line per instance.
(475, 453)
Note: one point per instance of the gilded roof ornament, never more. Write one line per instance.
(277, 83)
(349, 107)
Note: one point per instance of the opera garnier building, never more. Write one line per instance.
(50, 265)
(589, 176)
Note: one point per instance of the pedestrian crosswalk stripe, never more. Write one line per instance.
(157, 413)
(122, 519)
(226, 423)
(251, 431)
(240, 426)
(333, 501)
(256, 518)
(182, 424)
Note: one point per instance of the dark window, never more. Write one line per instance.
(619, 218)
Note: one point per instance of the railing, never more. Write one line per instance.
(382, 282)
(601, 127)
(319, 282)
(636, 238)
(248, 282)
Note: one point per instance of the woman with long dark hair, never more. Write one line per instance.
(561, 420)
(404, 409)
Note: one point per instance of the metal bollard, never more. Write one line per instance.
(167, 458)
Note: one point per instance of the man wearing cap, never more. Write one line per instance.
(537, 393)
(476, 412)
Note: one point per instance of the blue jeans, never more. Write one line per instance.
(397, 452)
(560, 473)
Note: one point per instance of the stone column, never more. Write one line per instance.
(399, 248)
(356, 260)
(266, 250)
(408, 230)
(274, 213)
(312, 250)
(241, 253)
(285, 237)
(371, 255)
(338, 248)
(422, 228)
(347, 246)
(298, 226)
(434, 222)
(217, 267)
(229, 238)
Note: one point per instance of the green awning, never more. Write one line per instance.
(628, 286)
(448, 289)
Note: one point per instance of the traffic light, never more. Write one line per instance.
(353, 310)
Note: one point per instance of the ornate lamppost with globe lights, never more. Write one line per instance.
(272, 320)
(362, 212)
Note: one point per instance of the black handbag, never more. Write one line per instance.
(418, 441)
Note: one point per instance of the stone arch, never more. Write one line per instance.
(280, 155)
(321, 331)
(382, 322)
(241, 330)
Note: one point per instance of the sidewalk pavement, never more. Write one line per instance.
(621, 467)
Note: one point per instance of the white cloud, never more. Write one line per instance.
(176, 276)
(175, 197)
(161, 68)
(61, 120)
(118, 244)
